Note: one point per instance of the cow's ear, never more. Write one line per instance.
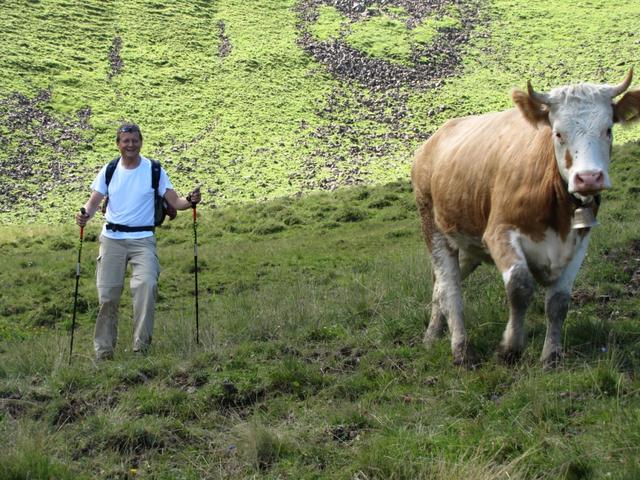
(534, 111)
(627, 109)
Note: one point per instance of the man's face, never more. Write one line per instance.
(129, 145)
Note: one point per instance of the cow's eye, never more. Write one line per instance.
(559, 137)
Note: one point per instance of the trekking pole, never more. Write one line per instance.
(195, 261)
(75, 296)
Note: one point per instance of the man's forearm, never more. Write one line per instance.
(183, 204)
(91, 209)
(93, 204)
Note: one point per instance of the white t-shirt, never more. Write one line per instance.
(131, 197)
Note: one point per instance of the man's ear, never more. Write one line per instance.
(535, 112)
(627, 109)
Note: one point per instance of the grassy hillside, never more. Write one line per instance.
(311, 363)
(258, 100)
(299, 119)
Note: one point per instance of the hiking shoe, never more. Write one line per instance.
(102, 356)
(141, 351)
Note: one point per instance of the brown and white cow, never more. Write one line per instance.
(504, 187)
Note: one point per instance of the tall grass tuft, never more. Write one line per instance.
(29, 456)
(260, 446)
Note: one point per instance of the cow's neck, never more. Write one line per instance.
(584, 212)
(579, 203)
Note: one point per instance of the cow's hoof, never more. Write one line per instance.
(552, 360)
(466, 356)
(509, 356)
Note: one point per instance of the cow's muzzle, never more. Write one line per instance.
(589, 182)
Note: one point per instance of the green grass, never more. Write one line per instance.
(254, 124)
(311, 363)
(329, 23)
(312, 304)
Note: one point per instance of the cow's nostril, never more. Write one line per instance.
(588, 181)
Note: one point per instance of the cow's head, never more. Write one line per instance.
(581, 117)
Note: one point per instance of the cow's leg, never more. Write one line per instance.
(447, 298)
(520, 286)
(437, 321)
(468, 264)
(435, 330)
(519, 283)
(556, 306)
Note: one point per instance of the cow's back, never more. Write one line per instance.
(486, 168)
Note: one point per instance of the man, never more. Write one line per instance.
(128, 237)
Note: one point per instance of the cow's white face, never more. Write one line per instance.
(581, 119)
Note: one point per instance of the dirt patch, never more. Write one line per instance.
(346, 360)
(69, 411)
(224, 47)
(15, 406)
(35, 148)
(631, 266)
(232, 400)
(628, 258)
(345, 433)
(583, 296)
(189, 382)
(116, 63)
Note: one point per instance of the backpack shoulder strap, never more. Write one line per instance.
(111, 167)
(155, 174)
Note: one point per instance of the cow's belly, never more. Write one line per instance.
(548, 259)
(472, 245)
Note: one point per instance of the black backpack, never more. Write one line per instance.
(160, 207)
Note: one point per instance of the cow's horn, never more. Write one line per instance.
(538, 97)
(618, 89)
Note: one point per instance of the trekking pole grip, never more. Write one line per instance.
(83, 212)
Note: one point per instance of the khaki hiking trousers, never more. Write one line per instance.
(111, 268)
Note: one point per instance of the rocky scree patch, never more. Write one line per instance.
(366, 115)
(35, 148)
